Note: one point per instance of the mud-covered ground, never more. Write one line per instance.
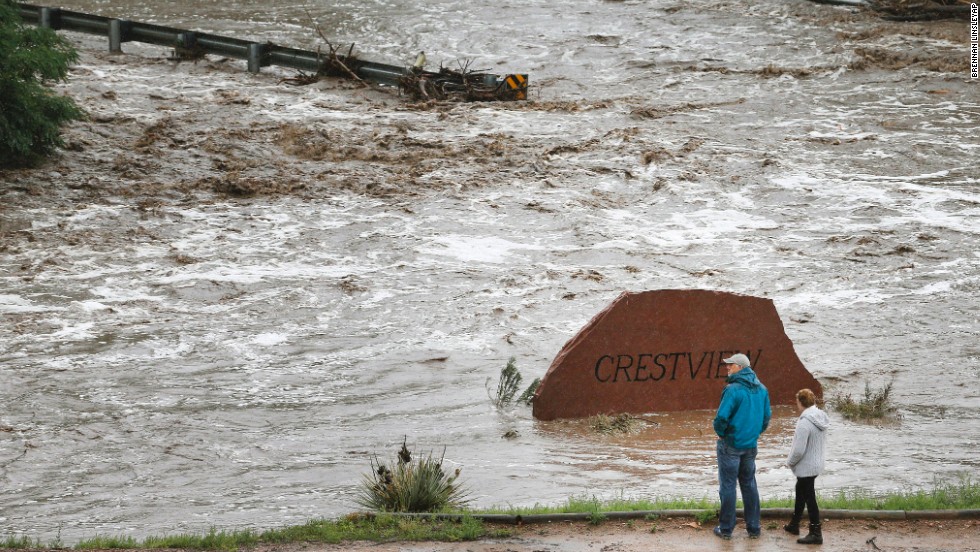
(227, 294)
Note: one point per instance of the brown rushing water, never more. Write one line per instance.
(176, 356)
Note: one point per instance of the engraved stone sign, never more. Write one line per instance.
(662, 350)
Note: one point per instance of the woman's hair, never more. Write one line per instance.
(806, 398)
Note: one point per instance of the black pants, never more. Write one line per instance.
(806, 496)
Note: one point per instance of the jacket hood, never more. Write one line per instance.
(817, 417)
(745, 377)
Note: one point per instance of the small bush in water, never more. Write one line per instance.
(411, 484)
(510, 382)
(527, 397)
(621, 423)
(874, 404)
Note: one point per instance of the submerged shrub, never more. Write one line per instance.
(527, 397)
(411, 483)
(509, 383)
(875, 404)
(621, 423)
(31, 114)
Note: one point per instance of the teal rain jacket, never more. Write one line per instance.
(744, 412)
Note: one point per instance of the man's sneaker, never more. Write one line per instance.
(721, 535)
(755, 535)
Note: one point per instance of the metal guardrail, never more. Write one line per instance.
(419, 83)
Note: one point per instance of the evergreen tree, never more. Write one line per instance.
(31, 113)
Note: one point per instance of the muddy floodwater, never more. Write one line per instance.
(227, 294)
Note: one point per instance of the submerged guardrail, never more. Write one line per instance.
(443, 84)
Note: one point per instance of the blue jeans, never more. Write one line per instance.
(738, 464)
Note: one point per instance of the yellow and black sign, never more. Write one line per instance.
(517, 87)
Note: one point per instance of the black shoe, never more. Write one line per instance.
(721, 535)
(815, 536)
(793, 527)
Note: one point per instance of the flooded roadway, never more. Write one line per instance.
(228, 294)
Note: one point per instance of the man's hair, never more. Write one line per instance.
(806, 398)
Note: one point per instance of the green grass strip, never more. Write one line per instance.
(944, 495)
(377, 528)
(964, 495)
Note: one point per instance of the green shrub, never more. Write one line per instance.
(596, 518)
(31, 114)
(509, 383)
(874, 404)
(411, 484)
(527, 397)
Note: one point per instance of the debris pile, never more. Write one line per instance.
(461, 85)
(910, 10)
(921, 10)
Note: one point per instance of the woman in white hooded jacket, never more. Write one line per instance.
(806, 460)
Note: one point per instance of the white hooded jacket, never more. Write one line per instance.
(807, 453)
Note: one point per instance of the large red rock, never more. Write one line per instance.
(657, 351)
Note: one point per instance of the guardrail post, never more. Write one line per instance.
(187, 40)
(115, 36)
(256, 52)
(51, 18)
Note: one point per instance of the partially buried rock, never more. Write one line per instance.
(663, 350)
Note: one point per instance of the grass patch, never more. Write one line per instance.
(382, 528)
(213, 540)
(583, 504)
(378, 528)
(107, 543)
(962, 494)
(705, 516)
(875, 404)
(20, 543)
(944, 495)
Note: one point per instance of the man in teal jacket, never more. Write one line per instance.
(743, 415)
